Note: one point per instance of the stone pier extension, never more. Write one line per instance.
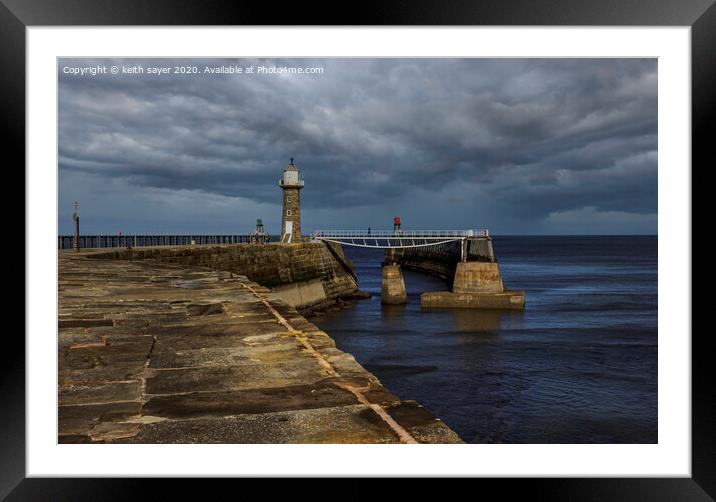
(475, 282)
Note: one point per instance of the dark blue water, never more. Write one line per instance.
(579, 365)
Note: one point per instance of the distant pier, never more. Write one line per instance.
(471, 271)
(464, 258)
(94, 241)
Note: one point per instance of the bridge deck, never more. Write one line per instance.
(386, 239)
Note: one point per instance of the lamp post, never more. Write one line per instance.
(76, 219)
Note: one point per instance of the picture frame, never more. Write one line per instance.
(700, 15)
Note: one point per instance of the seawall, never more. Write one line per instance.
(306, 275)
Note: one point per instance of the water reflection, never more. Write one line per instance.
(480, 321)
(393, 313)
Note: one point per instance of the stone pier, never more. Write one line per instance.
(158, 352)
(475, 282)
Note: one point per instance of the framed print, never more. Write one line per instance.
(419, 242)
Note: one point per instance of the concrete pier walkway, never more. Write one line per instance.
(161, 353)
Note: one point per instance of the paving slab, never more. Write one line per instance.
(352, 424)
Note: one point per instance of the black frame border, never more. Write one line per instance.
(700, 15)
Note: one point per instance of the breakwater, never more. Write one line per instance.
(161, 348)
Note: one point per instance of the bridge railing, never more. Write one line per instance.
(399, 234)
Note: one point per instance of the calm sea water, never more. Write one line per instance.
(579, 365)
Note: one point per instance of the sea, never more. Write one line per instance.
(578, 365)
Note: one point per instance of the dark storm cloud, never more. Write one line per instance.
(521, 141)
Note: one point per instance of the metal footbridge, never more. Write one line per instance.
(386, 239)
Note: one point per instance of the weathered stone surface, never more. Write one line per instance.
(306, 293)
(238, 402)
(247, 376)
(169, 353)
(508, 299)
(83, 418)
(131, 353)
(392, 286)
(421, 424)
(101, 393)
(269, 265)
(344, 424)
(225, 356)
(477, 277)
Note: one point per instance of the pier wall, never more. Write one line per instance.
(305, 275)
(441, 260)
(475, 283)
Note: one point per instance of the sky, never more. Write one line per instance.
(518, 146)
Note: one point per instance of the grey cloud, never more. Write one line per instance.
(530, 138)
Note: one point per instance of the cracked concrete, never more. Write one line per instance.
(154, 352)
